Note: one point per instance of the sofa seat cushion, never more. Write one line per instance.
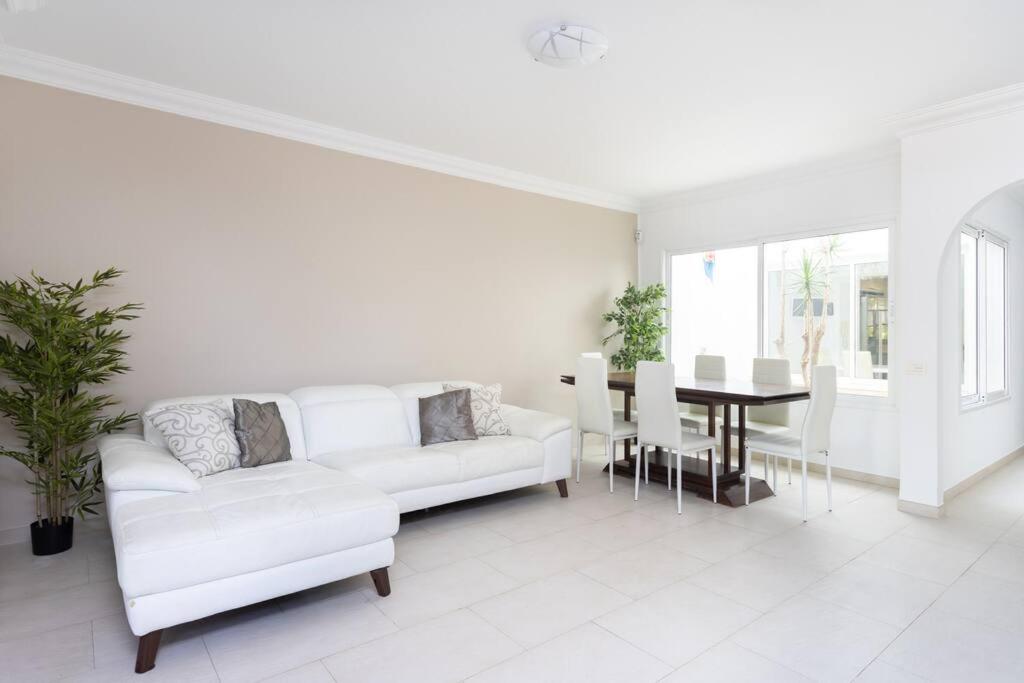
(245, 520)
(491, 455)
(396, 469)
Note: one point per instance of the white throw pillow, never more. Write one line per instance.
(485, 403)
(200, 435)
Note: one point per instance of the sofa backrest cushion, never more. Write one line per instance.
(410, 395)
(349, 417)
(289, 415)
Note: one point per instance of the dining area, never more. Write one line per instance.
(697, 428)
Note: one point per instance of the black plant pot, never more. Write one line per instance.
(50, 539)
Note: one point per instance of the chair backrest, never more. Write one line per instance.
(590, 354)
(865, 368)
(771, 371)
(816, 432)
(656, 405)
(707, 367)
(593, 402)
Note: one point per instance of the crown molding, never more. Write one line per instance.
(848, 163)
(954, 112)
(39, 68)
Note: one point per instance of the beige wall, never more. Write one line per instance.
(266, 264)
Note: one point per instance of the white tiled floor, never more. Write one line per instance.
(526, 586)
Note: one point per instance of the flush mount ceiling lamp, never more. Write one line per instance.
(15, 6)
(565, 46)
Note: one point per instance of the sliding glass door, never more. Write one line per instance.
(819, 300)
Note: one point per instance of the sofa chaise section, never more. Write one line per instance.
(188, 548)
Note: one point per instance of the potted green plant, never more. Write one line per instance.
(51, 349)
(639, 317)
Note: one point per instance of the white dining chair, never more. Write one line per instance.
(619, 413)
(659, 426)
(814, 434)
(770, 419)
(696, 417)
(594, 413)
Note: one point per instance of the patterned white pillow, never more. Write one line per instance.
(485, 402)
(200, 435)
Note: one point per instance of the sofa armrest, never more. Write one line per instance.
(534, 424)
(131, 463)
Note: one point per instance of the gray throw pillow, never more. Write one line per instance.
(260, 431)
(446, 417)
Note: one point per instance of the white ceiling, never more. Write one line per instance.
(692, 92)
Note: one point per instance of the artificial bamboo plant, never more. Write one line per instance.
(51, 350)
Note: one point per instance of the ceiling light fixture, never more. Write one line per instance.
(565, 46)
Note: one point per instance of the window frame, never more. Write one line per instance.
(888, 224)
(984, 236)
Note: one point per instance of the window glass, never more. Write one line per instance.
(714, 308)
(969, 319)
(826, 302)
(995, 318)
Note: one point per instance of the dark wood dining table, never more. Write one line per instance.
(712, 394)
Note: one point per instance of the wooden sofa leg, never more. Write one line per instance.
(146, 657)
(563, 491)
(381, 581)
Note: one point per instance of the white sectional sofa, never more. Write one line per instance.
(187, 548)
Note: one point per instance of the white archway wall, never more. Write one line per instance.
(972, 440)
(945, 173)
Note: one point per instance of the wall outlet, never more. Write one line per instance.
(916, 368)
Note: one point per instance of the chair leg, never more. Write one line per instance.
(609, 450)
(636, 478)
(145, 658)
(803, 483)
(775, 473)
(668, 466)
(579, 456)
(679, 482)
(746, 476)
(647, 466)
(828, 480)
(714, 473)
(789, 474)
(563, 490)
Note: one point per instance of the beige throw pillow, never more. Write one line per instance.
(486, 405)
(200, 435)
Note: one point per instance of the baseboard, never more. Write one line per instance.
(866, 477)
(954, 491)
(920, 509)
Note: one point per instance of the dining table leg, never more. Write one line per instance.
(726, 438)
(711, 431)
(626, 411)
(741, 436)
